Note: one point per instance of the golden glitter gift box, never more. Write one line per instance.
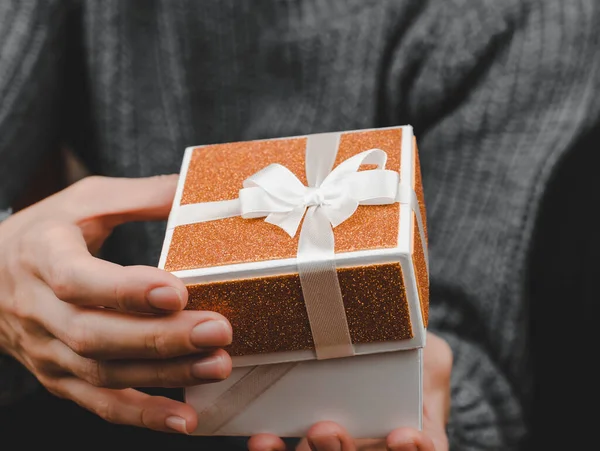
(336, 339)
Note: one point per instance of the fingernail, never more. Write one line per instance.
(211, 333)
(164, 298)
(177, 424)
(326, 443)
(209, 368)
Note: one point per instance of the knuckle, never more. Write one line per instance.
(122, 301)
(96, 374)
(81, 347)
(89, 184)
(161, 374)
(48, 231)
(103, 407)
(146, 417)
(61, 279)
(157, 344)
(81, 338)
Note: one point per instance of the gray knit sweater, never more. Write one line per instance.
(497, 91)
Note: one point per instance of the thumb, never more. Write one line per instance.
(114, 201)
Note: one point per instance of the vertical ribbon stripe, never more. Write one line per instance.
(316, 260)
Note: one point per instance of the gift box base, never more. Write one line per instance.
(369, 395)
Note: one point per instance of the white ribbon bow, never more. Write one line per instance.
(275, 192)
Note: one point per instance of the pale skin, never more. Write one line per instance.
(89, 330)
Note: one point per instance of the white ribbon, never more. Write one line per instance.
(275, 192)
(331, 197)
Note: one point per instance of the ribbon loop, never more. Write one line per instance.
(378, 187)
(372, 156)
(279, 182)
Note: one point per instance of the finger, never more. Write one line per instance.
(435, 418)
(179, 372)
(90, 281)
(128, 406)
(64, 263)
(106, 335)
(265, 442)
(408, 439)
(438, 361)
(329, 436)
(97, 204)
(116, 200)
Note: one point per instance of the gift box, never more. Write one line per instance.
(315, 249)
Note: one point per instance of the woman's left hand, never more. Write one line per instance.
(327, 436)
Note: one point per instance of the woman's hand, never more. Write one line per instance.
(89, 329)
(328, 436)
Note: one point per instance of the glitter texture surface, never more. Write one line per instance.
(268, 314)
(419, 189)
(421, 274)
(216, 172)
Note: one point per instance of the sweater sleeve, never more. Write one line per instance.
(31, 54)
(31, 60)
(498, 93)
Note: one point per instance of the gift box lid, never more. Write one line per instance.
(247, 268)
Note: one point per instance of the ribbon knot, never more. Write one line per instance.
(314, 198)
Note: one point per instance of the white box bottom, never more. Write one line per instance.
(369, 395)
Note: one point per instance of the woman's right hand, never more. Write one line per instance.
(52, 297)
